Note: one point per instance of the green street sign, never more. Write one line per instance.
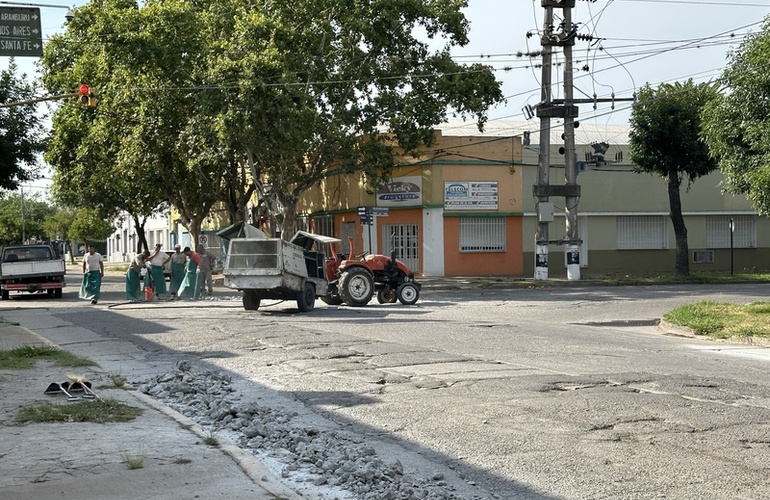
(20, 34)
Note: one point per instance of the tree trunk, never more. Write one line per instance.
(682, 266)
(195, 231)
(141, 237)
(289, 223)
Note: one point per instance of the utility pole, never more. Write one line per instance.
(563, 35)
(547, 109)
(543, 206)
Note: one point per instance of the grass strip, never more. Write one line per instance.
(100, 411)
(28, 355)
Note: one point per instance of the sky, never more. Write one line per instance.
(635, 42)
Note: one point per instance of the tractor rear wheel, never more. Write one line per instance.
(386, 296)
(408, 293)
(356, 286)
(306, 298)
(250, 300)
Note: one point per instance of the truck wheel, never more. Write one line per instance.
(408, 293)
(57, 293)
(356, 287)
(386, 296)
(6, 295)
(306, 298)
(250, 300)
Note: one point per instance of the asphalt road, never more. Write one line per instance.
(546, 393)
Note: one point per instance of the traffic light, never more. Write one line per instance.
(87, 97)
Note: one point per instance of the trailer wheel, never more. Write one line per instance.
(408, 293)
(306, 298)
(250, 300)
(356, 287)
(386, 296)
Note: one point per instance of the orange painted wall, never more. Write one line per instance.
(508, 263)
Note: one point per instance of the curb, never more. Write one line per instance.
(251, 466)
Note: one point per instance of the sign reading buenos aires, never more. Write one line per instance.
(20, 33)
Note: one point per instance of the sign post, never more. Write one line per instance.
(20, 33)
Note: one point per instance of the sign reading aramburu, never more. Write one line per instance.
(470, 195)
(401, 191)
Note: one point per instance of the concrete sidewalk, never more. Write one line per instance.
(89, 461)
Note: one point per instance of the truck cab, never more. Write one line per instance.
(32, 269)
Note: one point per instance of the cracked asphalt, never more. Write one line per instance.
(557, 393)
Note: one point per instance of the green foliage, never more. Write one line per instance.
(666, 127)
(22, 221)
(89, 226)
(735, 125)
(57, 224)
(703, 318)
(309, 79)
(99, 411)
(723, 320)
(193, 95)
(26, 357)
(22, 135)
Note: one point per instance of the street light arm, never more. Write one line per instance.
(69, 15)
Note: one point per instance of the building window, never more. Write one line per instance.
(482, 234)
(642, 233)
(324, 225)
(718, 231)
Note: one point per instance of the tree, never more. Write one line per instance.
(89, 226)
(21, 130)
(133, 152)
(665, 140)
(313, 86)
(735, 124)
(22, 216)
(194, 93)
(98, 154)
(57, 225)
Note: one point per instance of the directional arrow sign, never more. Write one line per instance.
(20, 33)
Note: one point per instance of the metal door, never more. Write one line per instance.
(402, 237)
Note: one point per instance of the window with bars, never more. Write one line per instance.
(482, 234)
(718, 231)
(642, 233)
(324, 225)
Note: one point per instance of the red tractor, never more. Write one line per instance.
(353, 280)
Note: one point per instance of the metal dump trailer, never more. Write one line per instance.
(276, 269)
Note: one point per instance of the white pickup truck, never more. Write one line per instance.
(31, 268)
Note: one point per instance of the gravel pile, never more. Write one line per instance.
(338, 464)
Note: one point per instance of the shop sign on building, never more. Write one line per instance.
(401, 191)
(470, 195)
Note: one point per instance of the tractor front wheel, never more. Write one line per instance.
(356, 287)
(408, 293)
(250, 300)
